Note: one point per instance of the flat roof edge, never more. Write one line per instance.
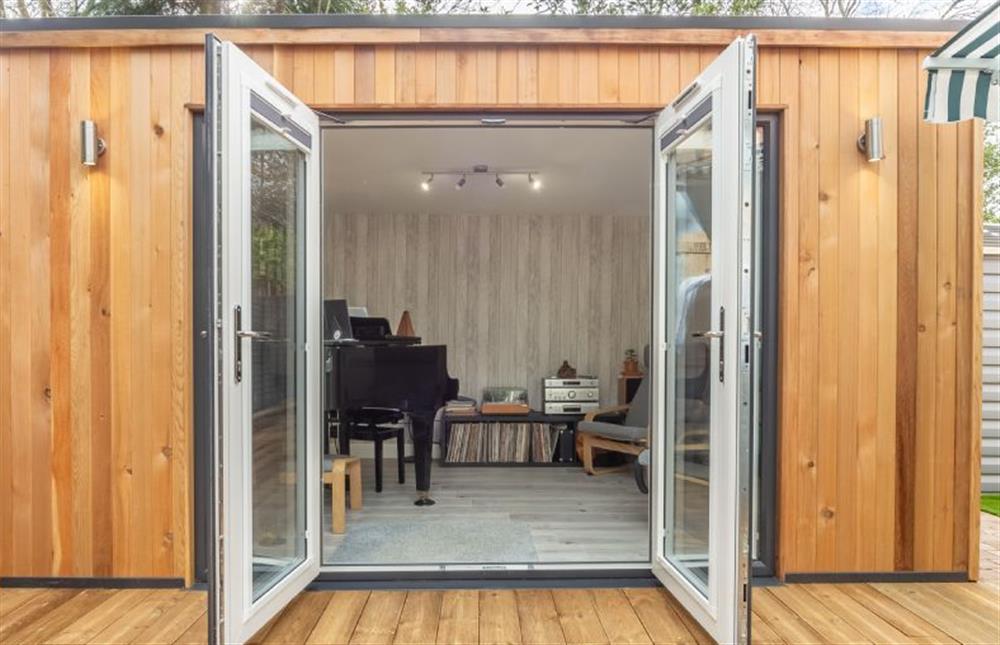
(327, 21)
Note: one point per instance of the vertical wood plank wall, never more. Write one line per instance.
(95, 325)
(511, 295)
(879, 332)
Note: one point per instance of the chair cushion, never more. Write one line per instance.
(613, 431)
(377, 416)
(638, 410)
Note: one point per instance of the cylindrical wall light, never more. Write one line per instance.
(91, 145)
(871, 142)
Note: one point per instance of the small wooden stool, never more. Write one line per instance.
(342, 468)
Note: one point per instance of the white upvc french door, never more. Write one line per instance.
(702, 331)
(264, 144)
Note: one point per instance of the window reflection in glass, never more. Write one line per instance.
(689, 225)
(277, 200)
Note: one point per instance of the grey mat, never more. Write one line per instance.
(435, 541)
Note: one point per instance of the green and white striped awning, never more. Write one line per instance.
(963, 76)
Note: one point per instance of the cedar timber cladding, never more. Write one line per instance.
(879, 299)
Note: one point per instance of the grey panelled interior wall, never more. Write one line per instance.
(511, 296)
(991, 360)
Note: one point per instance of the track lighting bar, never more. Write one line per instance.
(500, 176)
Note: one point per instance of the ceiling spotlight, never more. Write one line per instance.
(499, 181)
(460, 184)
(534, 182)
(425, 185)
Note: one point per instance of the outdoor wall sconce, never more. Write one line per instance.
(91, 145)
(870, 142)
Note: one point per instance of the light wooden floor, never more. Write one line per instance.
(855, 613)
(568, 516)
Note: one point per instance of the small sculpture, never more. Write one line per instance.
(631, 365)
(405, 327)
(566, 370)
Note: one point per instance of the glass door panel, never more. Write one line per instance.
(688, 386)
(277, 210)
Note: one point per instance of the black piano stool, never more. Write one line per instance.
(375, 428)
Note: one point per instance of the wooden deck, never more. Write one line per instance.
(850, 613)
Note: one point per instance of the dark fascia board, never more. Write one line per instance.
(88, 583)
(315, 21)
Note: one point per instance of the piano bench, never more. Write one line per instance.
(336, 477)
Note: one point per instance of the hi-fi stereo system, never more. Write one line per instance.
(571, 396)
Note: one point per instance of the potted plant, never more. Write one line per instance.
(631, 365)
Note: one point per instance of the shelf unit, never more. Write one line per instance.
(564, 453)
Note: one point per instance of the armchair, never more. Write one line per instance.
(622, 429)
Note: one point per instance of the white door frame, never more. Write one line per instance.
(240, 88)
(727, 86)
(727, 81)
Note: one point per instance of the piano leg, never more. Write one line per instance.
(344, 436)
(401, 456)
(378, 465)
(422, 445)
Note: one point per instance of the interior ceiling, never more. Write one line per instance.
(584, 171)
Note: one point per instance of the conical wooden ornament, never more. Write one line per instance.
(405, 327)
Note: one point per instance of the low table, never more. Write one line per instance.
(564, 453)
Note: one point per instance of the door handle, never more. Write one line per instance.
(254, 335)
(719, 333)
(722, 346)
(237, 345)
(238, 335)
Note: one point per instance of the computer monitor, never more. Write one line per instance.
(336, 321)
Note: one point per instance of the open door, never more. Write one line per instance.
(703, 271)
(263, 145)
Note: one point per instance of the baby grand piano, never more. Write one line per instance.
(367, 367)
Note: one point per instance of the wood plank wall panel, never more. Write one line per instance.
(876, 436)
(879, 343)
(6, 438)
(95, 412)
(512, 296)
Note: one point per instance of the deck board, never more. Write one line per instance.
(379, 618)
(539, 619)
(578, 616)
(459, 621)
(418, 623)
(339, 617)
(619, 619)
(795, 613)
(498, 619)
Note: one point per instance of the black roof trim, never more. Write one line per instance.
(306, 21)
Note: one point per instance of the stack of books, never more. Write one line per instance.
(460, 408)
